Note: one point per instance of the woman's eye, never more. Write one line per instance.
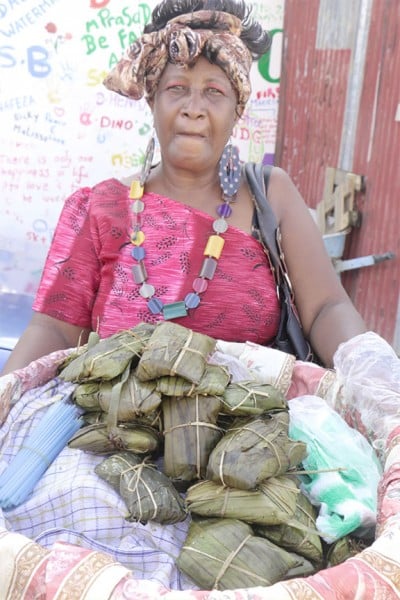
(176, 87)
(214, 91)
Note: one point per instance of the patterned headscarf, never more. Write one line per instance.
(212, 34)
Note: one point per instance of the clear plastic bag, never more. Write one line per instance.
(368, 374)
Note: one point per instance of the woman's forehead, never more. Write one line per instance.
(201, 68)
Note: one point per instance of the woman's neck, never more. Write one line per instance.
(200, 190)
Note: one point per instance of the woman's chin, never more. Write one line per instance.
(191, 147)
(190, 155)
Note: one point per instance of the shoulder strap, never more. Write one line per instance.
(258, 179)
(290, 327)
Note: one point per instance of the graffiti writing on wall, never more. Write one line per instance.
(60, 129)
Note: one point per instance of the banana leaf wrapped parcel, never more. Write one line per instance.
(273, 503)
(175, 350)
(224, 554)
(250, 398)
(304, 567)
(148, 494)
(109, 357)
(134, 398)
(99, 438)
(190, 433)
(153, 420)
(299, 534)
(213, 382)
(345, 548)
(254, 450)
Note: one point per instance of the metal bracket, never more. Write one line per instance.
(361, 261)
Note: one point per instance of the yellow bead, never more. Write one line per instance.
(214, 246)
(137, 238)
(136, 190)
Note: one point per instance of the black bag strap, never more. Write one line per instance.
(258, 178)
(268, 230)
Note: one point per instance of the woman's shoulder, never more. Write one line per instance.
(92, 199)
(283, 194)
(112, 183)
(280, 179)
(104, 185)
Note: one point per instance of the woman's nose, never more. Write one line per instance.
(194, 105)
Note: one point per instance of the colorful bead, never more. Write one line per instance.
(220, 225)
(214, 246)
(175, 310)
(224, 210)
(137, 238)
(208, 268)
(136, 190)
(137, 207)
(138, 253)
(146, 290)
(155, 305)
(139, 273)
(200, 285)
(192, 300)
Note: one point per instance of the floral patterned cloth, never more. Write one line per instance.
(366, 391)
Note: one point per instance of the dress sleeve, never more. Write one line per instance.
(70, 278)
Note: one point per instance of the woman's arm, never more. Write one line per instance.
(43, 335)
(326, 312)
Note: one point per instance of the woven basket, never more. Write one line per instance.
(369, 381)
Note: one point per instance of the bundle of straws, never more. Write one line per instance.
(43, 445)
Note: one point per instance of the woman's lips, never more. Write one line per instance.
(191, 134)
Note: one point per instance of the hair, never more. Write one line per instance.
(257, 40)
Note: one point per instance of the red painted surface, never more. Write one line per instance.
(312, 103)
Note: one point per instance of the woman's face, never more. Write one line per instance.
(194, 112)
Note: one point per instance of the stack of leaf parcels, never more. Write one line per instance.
(190, 434)
(248, 482)
(151, 389)
(177, 358)
(107, 385)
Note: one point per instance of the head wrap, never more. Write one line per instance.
(213, 34)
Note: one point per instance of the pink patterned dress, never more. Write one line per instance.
(87, 279)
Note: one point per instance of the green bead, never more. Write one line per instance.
(174, 310)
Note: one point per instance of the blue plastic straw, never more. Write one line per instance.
(44, 444)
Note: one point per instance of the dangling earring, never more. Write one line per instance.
(148, 159)
(229, 172)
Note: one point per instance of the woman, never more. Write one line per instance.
(194, 72)
(175, 241)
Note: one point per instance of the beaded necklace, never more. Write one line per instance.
(229, 174)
